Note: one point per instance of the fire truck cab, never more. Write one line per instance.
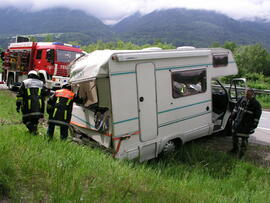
(49, 59)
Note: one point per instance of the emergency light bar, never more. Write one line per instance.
(64, 44)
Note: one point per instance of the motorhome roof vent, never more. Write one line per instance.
(185, 48)
(152, 49)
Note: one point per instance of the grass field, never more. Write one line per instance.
(35, 170)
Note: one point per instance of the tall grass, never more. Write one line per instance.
(35, 170)
(264, 100)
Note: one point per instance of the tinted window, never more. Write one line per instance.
(186, 83)
(39, 54)
(220, 60)
(67, 56)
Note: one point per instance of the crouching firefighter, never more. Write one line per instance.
(30, 100)
(59, 108)
(245, 119)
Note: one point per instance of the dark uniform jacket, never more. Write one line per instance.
(30, 98)
(246, 115)
(59, 107)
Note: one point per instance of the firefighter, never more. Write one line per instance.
(30, 100)
(245, 119)
(59, 108)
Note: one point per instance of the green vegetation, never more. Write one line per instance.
(48, 38)
(253, 62)
(120, 45)
(35, 170)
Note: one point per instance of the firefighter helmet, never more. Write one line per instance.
(33, 72)
(66, 85)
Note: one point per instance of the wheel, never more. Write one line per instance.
(10, 81)
(169, 147)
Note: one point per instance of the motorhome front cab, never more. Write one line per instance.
(140, 103)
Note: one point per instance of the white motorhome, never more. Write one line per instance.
(140, 103)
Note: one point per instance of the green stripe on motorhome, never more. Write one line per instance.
(87, 123)
(123, 121)
(181, 107)
(169, 68)
(122, 73)
(181, 67)
(183, 119)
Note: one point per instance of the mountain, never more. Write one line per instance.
(58, 20)
(191, 27)
(180, 27)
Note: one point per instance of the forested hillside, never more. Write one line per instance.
(71, 24)
(191, 27)
(177, 26)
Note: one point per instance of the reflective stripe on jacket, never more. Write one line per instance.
(31, 98)
(60, 106)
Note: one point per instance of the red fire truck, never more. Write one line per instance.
(49, 59)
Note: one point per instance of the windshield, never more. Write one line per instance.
(67, 56)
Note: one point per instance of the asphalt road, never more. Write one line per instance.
(262, 133)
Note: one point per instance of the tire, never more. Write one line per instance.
(169, 147)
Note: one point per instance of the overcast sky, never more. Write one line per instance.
(110, 11)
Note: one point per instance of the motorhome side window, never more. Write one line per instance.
(186, 83)
(87, 93)
(220, 60)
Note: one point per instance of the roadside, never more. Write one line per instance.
(256, 153)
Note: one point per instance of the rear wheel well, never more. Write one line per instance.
(178, 142)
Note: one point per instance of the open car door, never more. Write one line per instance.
(237, 89)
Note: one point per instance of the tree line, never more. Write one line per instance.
(253, 60)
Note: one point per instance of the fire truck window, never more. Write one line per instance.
(66, 56)
(39, 54)
(88, 93)
(50, 55)
(186, 83)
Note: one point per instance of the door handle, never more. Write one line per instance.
(141, 99)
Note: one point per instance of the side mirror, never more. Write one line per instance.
(50, 56)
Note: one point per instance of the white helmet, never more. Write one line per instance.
(33, 72)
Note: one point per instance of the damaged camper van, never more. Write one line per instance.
(139, 103)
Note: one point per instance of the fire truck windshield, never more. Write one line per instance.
(66, 56)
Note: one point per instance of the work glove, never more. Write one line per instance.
(18, 109)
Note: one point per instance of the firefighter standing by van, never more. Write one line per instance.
(59, 108)
(245, 119)
(30, 100)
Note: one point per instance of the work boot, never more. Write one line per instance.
(233, 151)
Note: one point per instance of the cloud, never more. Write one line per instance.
(111, 11)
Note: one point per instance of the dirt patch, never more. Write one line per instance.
(256, 153)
